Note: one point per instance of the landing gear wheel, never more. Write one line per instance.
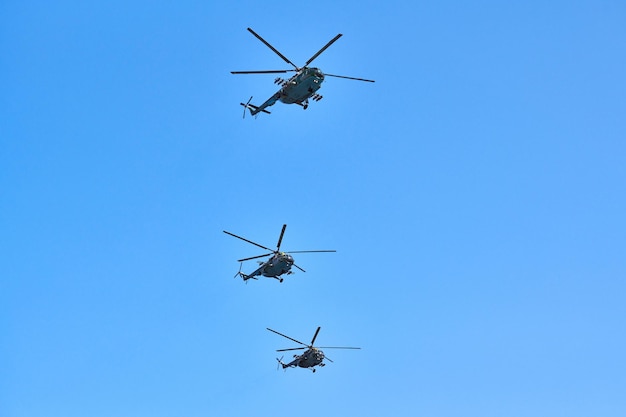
(305, 106)
(313, 370)
(280, 280)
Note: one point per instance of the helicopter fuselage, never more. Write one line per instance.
(296, 90)
(312, 357)
(276, 266)
(299, 88)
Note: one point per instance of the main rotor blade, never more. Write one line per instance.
(290, 338)
(310, 251)
(272, 48)
(285, 350)
(315, 336)
(328, 359)
(349, 78)
(299, 268)
(262, 72)
(254, 257)
(280, 239)
(323, 49)
(249, 241)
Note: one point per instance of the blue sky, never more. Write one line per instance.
(475, 195)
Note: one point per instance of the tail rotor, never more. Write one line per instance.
(242, 275)
(239, 272)
(246, 106)
(255, 110)
(280, 363)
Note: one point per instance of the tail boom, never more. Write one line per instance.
(254, 110)
(246, 277)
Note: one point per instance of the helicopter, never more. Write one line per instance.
(312, 356)
(299, 88)
(278, 264)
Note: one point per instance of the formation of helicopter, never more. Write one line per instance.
(299, 88)
(278, 264)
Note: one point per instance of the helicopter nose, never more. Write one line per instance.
(318, 73)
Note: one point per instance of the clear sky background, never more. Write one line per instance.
(475, 194)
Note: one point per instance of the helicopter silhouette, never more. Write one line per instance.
(299, 88)
(311, 357)
(278, 264)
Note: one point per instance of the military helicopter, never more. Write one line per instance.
(279, 262)
(311, 358)
(297, 89)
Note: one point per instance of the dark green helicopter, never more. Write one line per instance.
(279, 262)
(311, 357)
(297, 89)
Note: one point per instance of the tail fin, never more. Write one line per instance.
(246, 277)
